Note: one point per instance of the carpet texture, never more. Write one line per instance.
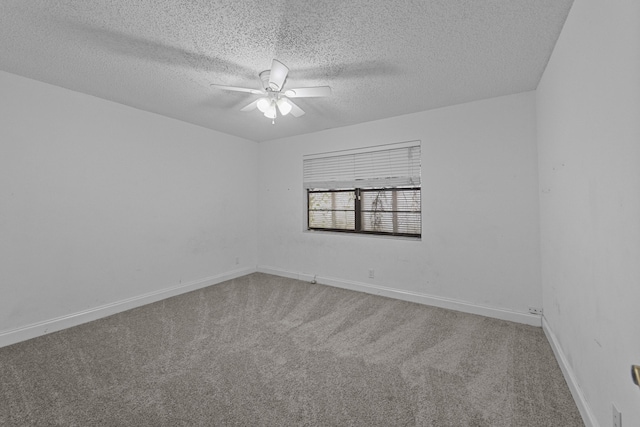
(263, 350)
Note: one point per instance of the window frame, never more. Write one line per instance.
(358, 211)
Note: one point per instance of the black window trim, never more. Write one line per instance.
(358, 211)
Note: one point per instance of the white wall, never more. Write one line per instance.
(101, 203)
(480, 242)
(589, 146)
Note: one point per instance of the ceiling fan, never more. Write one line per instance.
(274, 98)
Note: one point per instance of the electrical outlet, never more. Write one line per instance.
(371, 274)
(535, 310)
(617, 416)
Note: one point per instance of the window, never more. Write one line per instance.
(375, 190)
(394, 211)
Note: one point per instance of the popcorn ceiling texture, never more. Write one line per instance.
(381, 58)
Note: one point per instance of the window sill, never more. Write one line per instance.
(365, 235)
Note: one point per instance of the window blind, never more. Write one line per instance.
(390, 165)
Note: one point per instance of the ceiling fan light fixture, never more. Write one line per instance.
(271, 111)
(263, 104)
(284, 106)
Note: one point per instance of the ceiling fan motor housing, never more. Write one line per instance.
(264, 77)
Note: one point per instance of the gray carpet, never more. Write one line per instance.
(267, 351)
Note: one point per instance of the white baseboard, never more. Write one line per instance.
(24, 333)
(452, 304)
(583, 406)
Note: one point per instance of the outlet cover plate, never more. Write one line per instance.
(617, 416)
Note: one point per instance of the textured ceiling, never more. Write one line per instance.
(381, 58)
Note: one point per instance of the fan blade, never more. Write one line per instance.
(251, 106)
(295, 110)
(308, 92)
(239, 89)
(277, 75)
